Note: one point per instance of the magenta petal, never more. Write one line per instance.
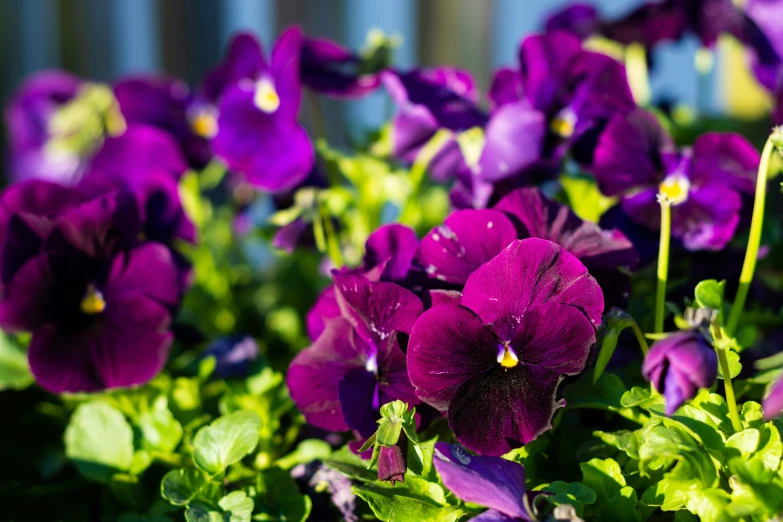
(539, 216)
(492, 515)
(526, 274)
(27, 299)
(506, 86)
(725, 157)
(244, 60)
(448, 346)
(325, 308)
(38, 197)
(773, 402)
(139, 149)
(148, 269)
(129, 346)
(493, 482)
(465, 241)
(24, 238)
(545, 67)
(315, 373)
(284, 67)
(394, 243)
(514, 139)
(376, 309)
(708, 219)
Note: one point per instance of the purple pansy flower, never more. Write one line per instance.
(97, 302)
(167, 103)
(257, 105)
(28, 118)
(331, 69)
(493, 482)
(575, 89)
(469, 238)
(636, 159)
(679, 365)
(389, 256)
(233, 355)
(493, 364)
(764, 41)
(356, 365)
(579, 19)
(773, 401)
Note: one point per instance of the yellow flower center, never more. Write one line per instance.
(93, 302)
(204, 124)
(563, 124)
(265, 97)
(675, 188)
(507, 358)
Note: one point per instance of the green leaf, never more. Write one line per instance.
(307, 451)
(402, 504)
(710, 505)
(238, 506)
(756, 491)
(199, 512)
(604, 477)
(584, 198)
(620, 508)
(14, 370)
(159, 429)
(735, 367)
(709, 294)
(624, 440)
(745, 443)
(181, 486)
(610, 333)
(752, 415)
(226, 440)
(574, 493)
(351, 465)
(99, 441)
(640, 397)
(279, 497)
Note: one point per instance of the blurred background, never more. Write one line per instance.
(105, 39)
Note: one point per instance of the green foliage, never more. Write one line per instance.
(226, 441)
(14, 370)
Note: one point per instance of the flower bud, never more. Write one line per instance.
(391, 464)
(679, 365)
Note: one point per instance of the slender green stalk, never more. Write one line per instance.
(754, 240)
(640, 337)
(332, 242)
(731, 400)
(663, 261)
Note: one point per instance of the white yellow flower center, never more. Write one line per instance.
(92, 303)
(265, 97)
(675, 188)
(564, 124)
(204, 122)
(506, 356)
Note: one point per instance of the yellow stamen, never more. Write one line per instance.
(508, 359)
(563, 125)
(93, 302)
(204, 124)
(265, 97)
(675, 189)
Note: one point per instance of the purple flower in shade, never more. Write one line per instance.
(391, 464)
(257, 105)
(468, 238)
(389, 255)
(773, 401)
(679, 365)
(636, 159)
(581, 20)
(650, 24)
(575, 89)
(233, 355)
(167, 103)
(331, 69)
(35, 197)
(493, 364)
(97, 302)
(763, 39)
(494, 482)
(28, 116)
(356, 365)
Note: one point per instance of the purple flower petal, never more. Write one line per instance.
(394, 244)
(725, 157)
(650, 24)
(359, 400)
(149, 270)
(545, 68)
(138, 149)
(773, 401)
(284, 67)
(493, 482)
(244, 60)
(466, 240)
(579, 19)
(506, 87)
(27, 302)
(526, 274)
(329, 68)
(325, 308)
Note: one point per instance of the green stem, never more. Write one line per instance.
(730, 399)
(332, 242)
(640, 337)
(663, 262)
(754, 240)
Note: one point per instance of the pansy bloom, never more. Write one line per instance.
(331, 69)
(97, 302)
(257, 103)
(493, 482)
(493, 364)
(167, 104)
(636, 160)
(356, 365)
(469, 238)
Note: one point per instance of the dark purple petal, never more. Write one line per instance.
(506, 86)
(761, 35)
(233, 355)
(37, 197)
(708, 219)
(325, 308)
(288, 236)
(24, 239)
(448, 346)
(394, 244)
(27, 297)
(545, 63)
(391, 464)
(284, 67)
(466, 240)
(376, 309)
(579, 19)
(273, 151)
(315, 373)
(149, 270)
(650, 24)
(526, 274)
(491, 515)
(138, 149)
(128, 346)
(244, 60)
(493, 482)
(538, 216)
(773, 401)
(629, 153)
(725, 157)
(359, 400)
(329, 68)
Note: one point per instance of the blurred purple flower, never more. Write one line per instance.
(167, 103)
(233, 355)
(97, 302)
(493, 364)
(356, 365)
(494, 482)
(331, 69)
(257, 105)
(773, 401)
(579, 19)
(636, 159)
(679, 365)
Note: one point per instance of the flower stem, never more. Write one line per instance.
(730, 398)
(754, 240)
(640, 337)
(332, 242)
(663, 262)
